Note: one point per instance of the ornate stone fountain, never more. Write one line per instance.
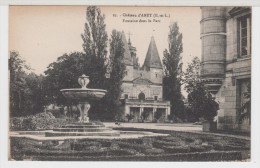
(83, 128)
(83, 95)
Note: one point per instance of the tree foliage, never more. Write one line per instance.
(203, 105)
(246, 106)
(201, 102)
(117, 68)
(26, 93)
(191, 77)
(95, 46)
(64, 74)
(173, 71)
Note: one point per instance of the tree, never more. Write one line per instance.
(195, 88)
(95, 46)
(63, 74)
(117, 68)
(201, 102)
(192, 75)
(26, 96)
(17, 67)
(173, 71)
(35, 100)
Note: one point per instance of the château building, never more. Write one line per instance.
(142, 90)
(226, 62)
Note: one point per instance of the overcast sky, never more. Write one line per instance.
(42, 33)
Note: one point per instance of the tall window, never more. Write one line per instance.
(244, 25)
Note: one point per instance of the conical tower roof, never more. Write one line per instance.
(127, 54)
(152, 59)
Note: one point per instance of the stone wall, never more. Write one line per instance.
(134, 90)
(220, 59)
(213, 38)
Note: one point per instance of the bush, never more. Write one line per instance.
(79, 146)
(197, 148)
(154, 151)
(137, 147)
(41, 121)
(176, 149)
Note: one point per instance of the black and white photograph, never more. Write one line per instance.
(129, 83)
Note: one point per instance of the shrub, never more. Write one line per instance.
(137, 147)
(154, 151)
(41, 121)
(16, 123)
(160, 143)
(176, 149)
(129, 117)
(197, 148)
(85, 145)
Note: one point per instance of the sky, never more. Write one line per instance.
(43, 33)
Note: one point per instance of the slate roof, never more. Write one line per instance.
(127, 54)
(152, 59)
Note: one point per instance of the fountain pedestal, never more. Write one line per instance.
(82, 96)
(83, 108)
(83, 127)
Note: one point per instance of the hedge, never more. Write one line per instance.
(203, 156)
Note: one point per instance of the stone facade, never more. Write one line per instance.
(142, 85)
(226, 61)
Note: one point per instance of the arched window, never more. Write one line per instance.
(141, 96)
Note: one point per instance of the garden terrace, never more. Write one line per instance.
(178, 146)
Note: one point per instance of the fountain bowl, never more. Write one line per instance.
(83, 94)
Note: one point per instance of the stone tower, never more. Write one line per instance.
(226, 62)
(153, 63)
(213, 38)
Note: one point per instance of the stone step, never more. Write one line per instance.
(57, 134)
(69, 129)
(89, 123)
(82, 126)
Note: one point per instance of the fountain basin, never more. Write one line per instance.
(83, 94)
(67, 134)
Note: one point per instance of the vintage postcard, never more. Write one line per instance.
(130, 83)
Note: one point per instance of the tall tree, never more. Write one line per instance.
(26, 96)
(95, 46)
(173, 71)
(117, 68)
(17, 67)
